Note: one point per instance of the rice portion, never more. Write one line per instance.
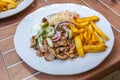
(62, 16)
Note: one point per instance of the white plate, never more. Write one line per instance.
(24, 4)
(59, 67)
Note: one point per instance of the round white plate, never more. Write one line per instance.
(59, 67)
(23, 5)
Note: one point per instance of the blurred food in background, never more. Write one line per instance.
(8, 4)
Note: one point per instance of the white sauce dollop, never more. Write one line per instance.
(35, 29)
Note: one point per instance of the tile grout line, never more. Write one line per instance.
(8, 51)
(9, 26)
(10, 66)
(109, 8)
(115, 28)
(5, 65)
(32, 75)
(7, 38)
(87, 4)
(113, 12)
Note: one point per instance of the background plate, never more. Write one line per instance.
(24, 4)
(59, 67)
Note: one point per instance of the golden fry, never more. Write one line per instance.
(82, 24)
(85, 34)
(99, 31)
(89, 39)
(11, 6)
(90, 28)
(7, 4)
(95, 48)
(81, 30)
(74, 30)
(94, 38)
(95, 33)
(79, 45)
(93, 18)
(76, 23)
(82, 38)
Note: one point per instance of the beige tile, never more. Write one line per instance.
(113, 76)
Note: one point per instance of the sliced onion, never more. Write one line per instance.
(66, 23)
(57, 36)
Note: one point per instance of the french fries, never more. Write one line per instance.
(99, 31)
(82, 24)
(93, 18)
(74, 30)
(79, 45)
(95, 48)
(88, 37)
(7, 4)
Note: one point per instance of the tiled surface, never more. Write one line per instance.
(13, 68)
(113, 76)
(113, 5)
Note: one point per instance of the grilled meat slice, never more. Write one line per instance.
(62, 57)
(49, 55)
(60, 43)
(39, 52)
